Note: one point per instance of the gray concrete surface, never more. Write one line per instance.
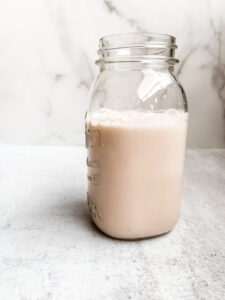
(49, 249)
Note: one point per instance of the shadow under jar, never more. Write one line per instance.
(136, 134)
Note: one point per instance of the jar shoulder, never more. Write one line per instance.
(135, 89)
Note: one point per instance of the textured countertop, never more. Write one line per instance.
(49, 249)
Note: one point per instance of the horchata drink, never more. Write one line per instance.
(135, 167)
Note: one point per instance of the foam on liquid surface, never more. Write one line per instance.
(132, 118)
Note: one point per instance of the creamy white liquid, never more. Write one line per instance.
(135, 167)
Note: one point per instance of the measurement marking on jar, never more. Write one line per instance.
(94, 179)
(94, 171)
(93, 208)
(92, 137)
(92, 163)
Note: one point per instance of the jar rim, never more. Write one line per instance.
(135, 39)
(137, 46)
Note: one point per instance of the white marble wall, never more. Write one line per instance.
(47, 53)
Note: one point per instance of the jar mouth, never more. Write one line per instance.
(137, 47)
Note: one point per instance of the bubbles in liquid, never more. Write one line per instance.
(172, 112)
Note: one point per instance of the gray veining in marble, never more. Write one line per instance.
(48, 49)
(50, 250)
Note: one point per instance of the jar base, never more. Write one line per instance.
(130, 238)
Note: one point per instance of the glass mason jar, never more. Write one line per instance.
(136, 134)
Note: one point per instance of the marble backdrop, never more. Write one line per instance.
(47, 54)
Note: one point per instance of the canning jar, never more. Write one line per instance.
(136, 134)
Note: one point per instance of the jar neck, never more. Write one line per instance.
(137, 51)
(135, 66)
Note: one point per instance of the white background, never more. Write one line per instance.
(47, 54)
